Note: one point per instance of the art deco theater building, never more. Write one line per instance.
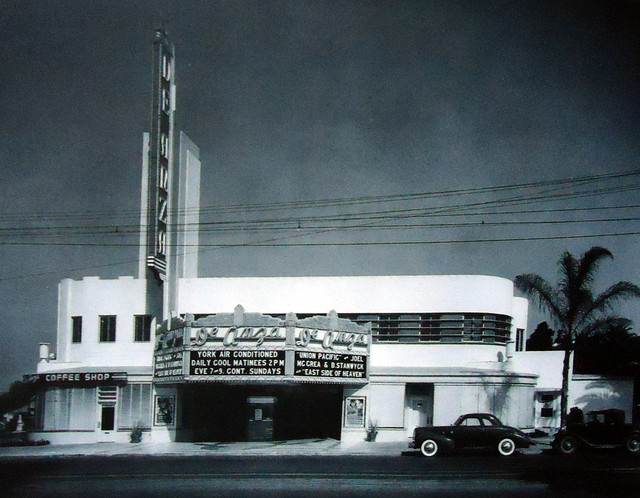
(231, 359)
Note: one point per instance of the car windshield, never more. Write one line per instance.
(594, 417)
(491, 420)
(470, 421)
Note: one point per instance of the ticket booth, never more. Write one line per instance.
(260, 418)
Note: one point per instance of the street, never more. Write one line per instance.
(603, 474)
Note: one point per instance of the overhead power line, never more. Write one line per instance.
(389, 215)
(335, 244)
(519, 195)
(321, 203)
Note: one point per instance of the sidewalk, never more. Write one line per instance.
(297, 447)
(306, 447)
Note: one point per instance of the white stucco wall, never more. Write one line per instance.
(356, 294)
(464, 355)
(90, 298)
(595, 392)
(510, 400)
(370, 294)
(546, 364)
(520, 313)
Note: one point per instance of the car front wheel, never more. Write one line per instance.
(506, 446)
(568, 445)
(429, 448)
(632, 444)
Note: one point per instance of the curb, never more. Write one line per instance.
(314, 448)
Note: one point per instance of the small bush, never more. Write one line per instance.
(135, 436)
(372, 431)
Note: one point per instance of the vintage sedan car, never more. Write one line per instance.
(600, 429)
(472, 431)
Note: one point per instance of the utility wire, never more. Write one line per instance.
(244, 208)
(380, 215)
(440, 211)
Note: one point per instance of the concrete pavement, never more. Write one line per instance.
(305, 447)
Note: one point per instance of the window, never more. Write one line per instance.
(471, 421)
(69, 409)
(388, 329)
(107, 328)
(547, 398)
(431, 328)
(142, 331)
(76, 329)
(438, 327)
(472, 328)
(546, 412)
(135, 406)
(519, 339)
(409, 328)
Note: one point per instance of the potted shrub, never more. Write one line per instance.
(135, 436)
(372, 430)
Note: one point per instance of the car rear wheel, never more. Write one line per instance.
(429, 448)
(632, 444)
(506, 446)
(568, 445)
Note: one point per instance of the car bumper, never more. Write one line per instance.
(526, 443)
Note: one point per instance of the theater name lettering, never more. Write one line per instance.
(234, 336)
(229, 337)
(330, 338)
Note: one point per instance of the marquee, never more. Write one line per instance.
(252, 347)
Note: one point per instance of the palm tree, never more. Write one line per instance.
(572, 305)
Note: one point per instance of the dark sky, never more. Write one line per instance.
(301, 101)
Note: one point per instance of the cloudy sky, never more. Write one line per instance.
(336, 137)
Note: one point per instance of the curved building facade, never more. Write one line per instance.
(401, 351)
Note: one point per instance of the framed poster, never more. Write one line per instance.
(354, 411)
(165, 410)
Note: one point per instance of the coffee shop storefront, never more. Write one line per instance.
(248, 376)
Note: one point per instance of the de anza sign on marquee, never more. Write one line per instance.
(246, 347)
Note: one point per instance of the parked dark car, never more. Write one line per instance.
(472, 431)
(600, 429)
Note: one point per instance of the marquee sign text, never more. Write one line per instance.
(333, 365)
(237, 362)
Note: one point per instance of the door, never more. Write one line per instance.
(108, 418)
(418, 412)
(107, 398)
(260, 418)
(472, 433)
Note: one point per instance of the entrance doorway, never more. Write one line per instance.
(418, 406)
(260, 418)
(224, 412)
(107, 398)
(108, 418)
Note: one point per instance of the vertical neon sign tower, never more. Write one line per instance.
(170, 193)
(160, 154)
(157, 174)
